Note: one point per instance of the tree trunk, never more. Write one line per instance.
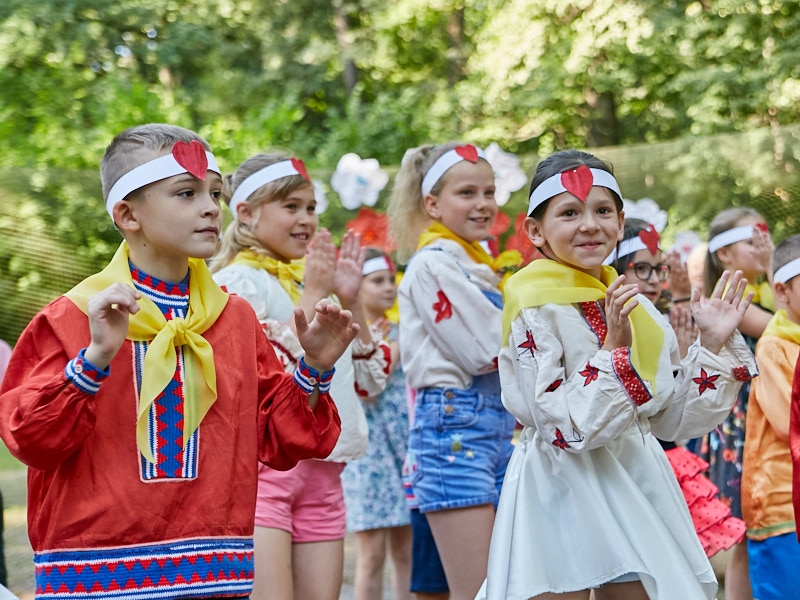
(345, 43)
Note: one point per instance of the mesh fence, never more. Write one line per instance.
(54, 230)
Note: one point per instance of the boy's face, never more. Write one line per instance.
(172, 220)
(789, 294)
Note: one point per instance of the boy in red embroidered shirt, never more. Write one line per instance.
(142, 399)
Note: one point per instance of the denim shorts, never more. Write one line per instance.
(459, 446)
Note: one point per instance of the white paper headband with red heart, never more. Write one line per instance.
(185, 158)
(731, 236)
(447, 160)
(379, 263)
(646, 239)
(578, 182)
(787, 271)
(273, 172)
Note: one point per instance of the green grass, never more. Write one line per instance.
(8, 462)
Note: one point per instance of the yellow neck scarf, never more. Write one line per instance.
(780, 326)
(290, 275)
(762, 295)
(506, 260)
(206, 302)
(546, 281)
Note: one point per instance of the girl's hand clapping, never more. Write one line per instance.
(620, 302)
(349, 267)
(320, 266)
(685, 328)
(718, 317)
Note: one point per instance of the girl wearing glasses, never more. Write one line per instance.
(639, 257)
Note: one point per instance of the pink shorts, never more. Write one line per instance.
(307, 501)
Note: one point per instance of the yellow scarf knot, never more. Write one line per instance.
(503, 265)
(206, 302)
(289, 275)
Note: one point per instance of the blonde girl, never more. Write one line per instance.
(441, 208)
(373, 488)
(738, 239)
(593, 372)
(273, 257)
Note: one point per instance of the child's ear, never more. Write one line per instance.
(124, 215)
(533, 229)
(244, 213)
(780, 292)
(621, 225)
(724, 255)
(431, 204)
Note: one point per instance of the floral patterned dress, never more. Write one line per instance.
(373, 487)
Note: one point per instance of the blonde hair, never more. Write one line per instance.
(239, 236)
(138, 145)
(407, 215)
(727, 219)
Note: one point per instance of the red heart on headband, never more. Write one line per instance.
(578, 182)
(192, 157)
(467, 152)
(650, 238)
(300, 167)
(762, 227)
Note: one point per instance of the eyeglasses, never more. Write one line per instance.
(645, 270)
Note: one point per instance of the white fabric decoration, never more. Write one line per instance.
(358, 181)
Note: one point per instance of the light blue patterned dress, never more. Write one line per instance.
(373, 487)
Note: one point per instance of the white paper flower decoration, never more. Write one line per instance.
(685, 242)
(647, 210)
(508, 177)
(358, 181)
(320, 196)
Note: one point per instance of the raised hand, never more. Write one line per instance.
(108, 313)
(718, 316)
(349, 266)
(679, 285)
(327, 336)
(620, 302)
(763, 249)
(685, 328)
(320, 266)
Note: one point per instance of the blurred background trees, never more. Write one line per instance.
(695, 102)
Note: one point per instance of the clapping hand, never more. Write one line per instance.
(327, 336)
(718, 316)
(620, 302)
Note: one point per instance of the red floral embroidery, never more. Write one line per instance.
(528, 344)
(554, 386)
(560, 442)
(590, 373)
(443, 308)
(705, 381)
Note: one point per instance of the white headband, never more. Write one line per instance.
(379, 263)
(731, 236)
(447, 160)
(787, 271)
(627, 247)
(184, 158)
(275, 171)
(577, 182)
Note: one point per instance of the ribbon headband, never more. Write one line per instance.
(578, 182)
(646, 239)
(787, 271)
(449, 159)
(379, 263)
(273, 172)
(184, 158)
(731, 236)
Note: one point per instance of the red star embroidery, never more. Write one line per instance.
(590, 373)
(528, 344)
(560, 442)
(443, 308)
(554, 386)
(705, 381)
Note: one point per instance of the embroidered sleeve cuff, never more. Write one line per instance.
(628, 377)
(84, 374)
(308, 379)
(742, 373)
